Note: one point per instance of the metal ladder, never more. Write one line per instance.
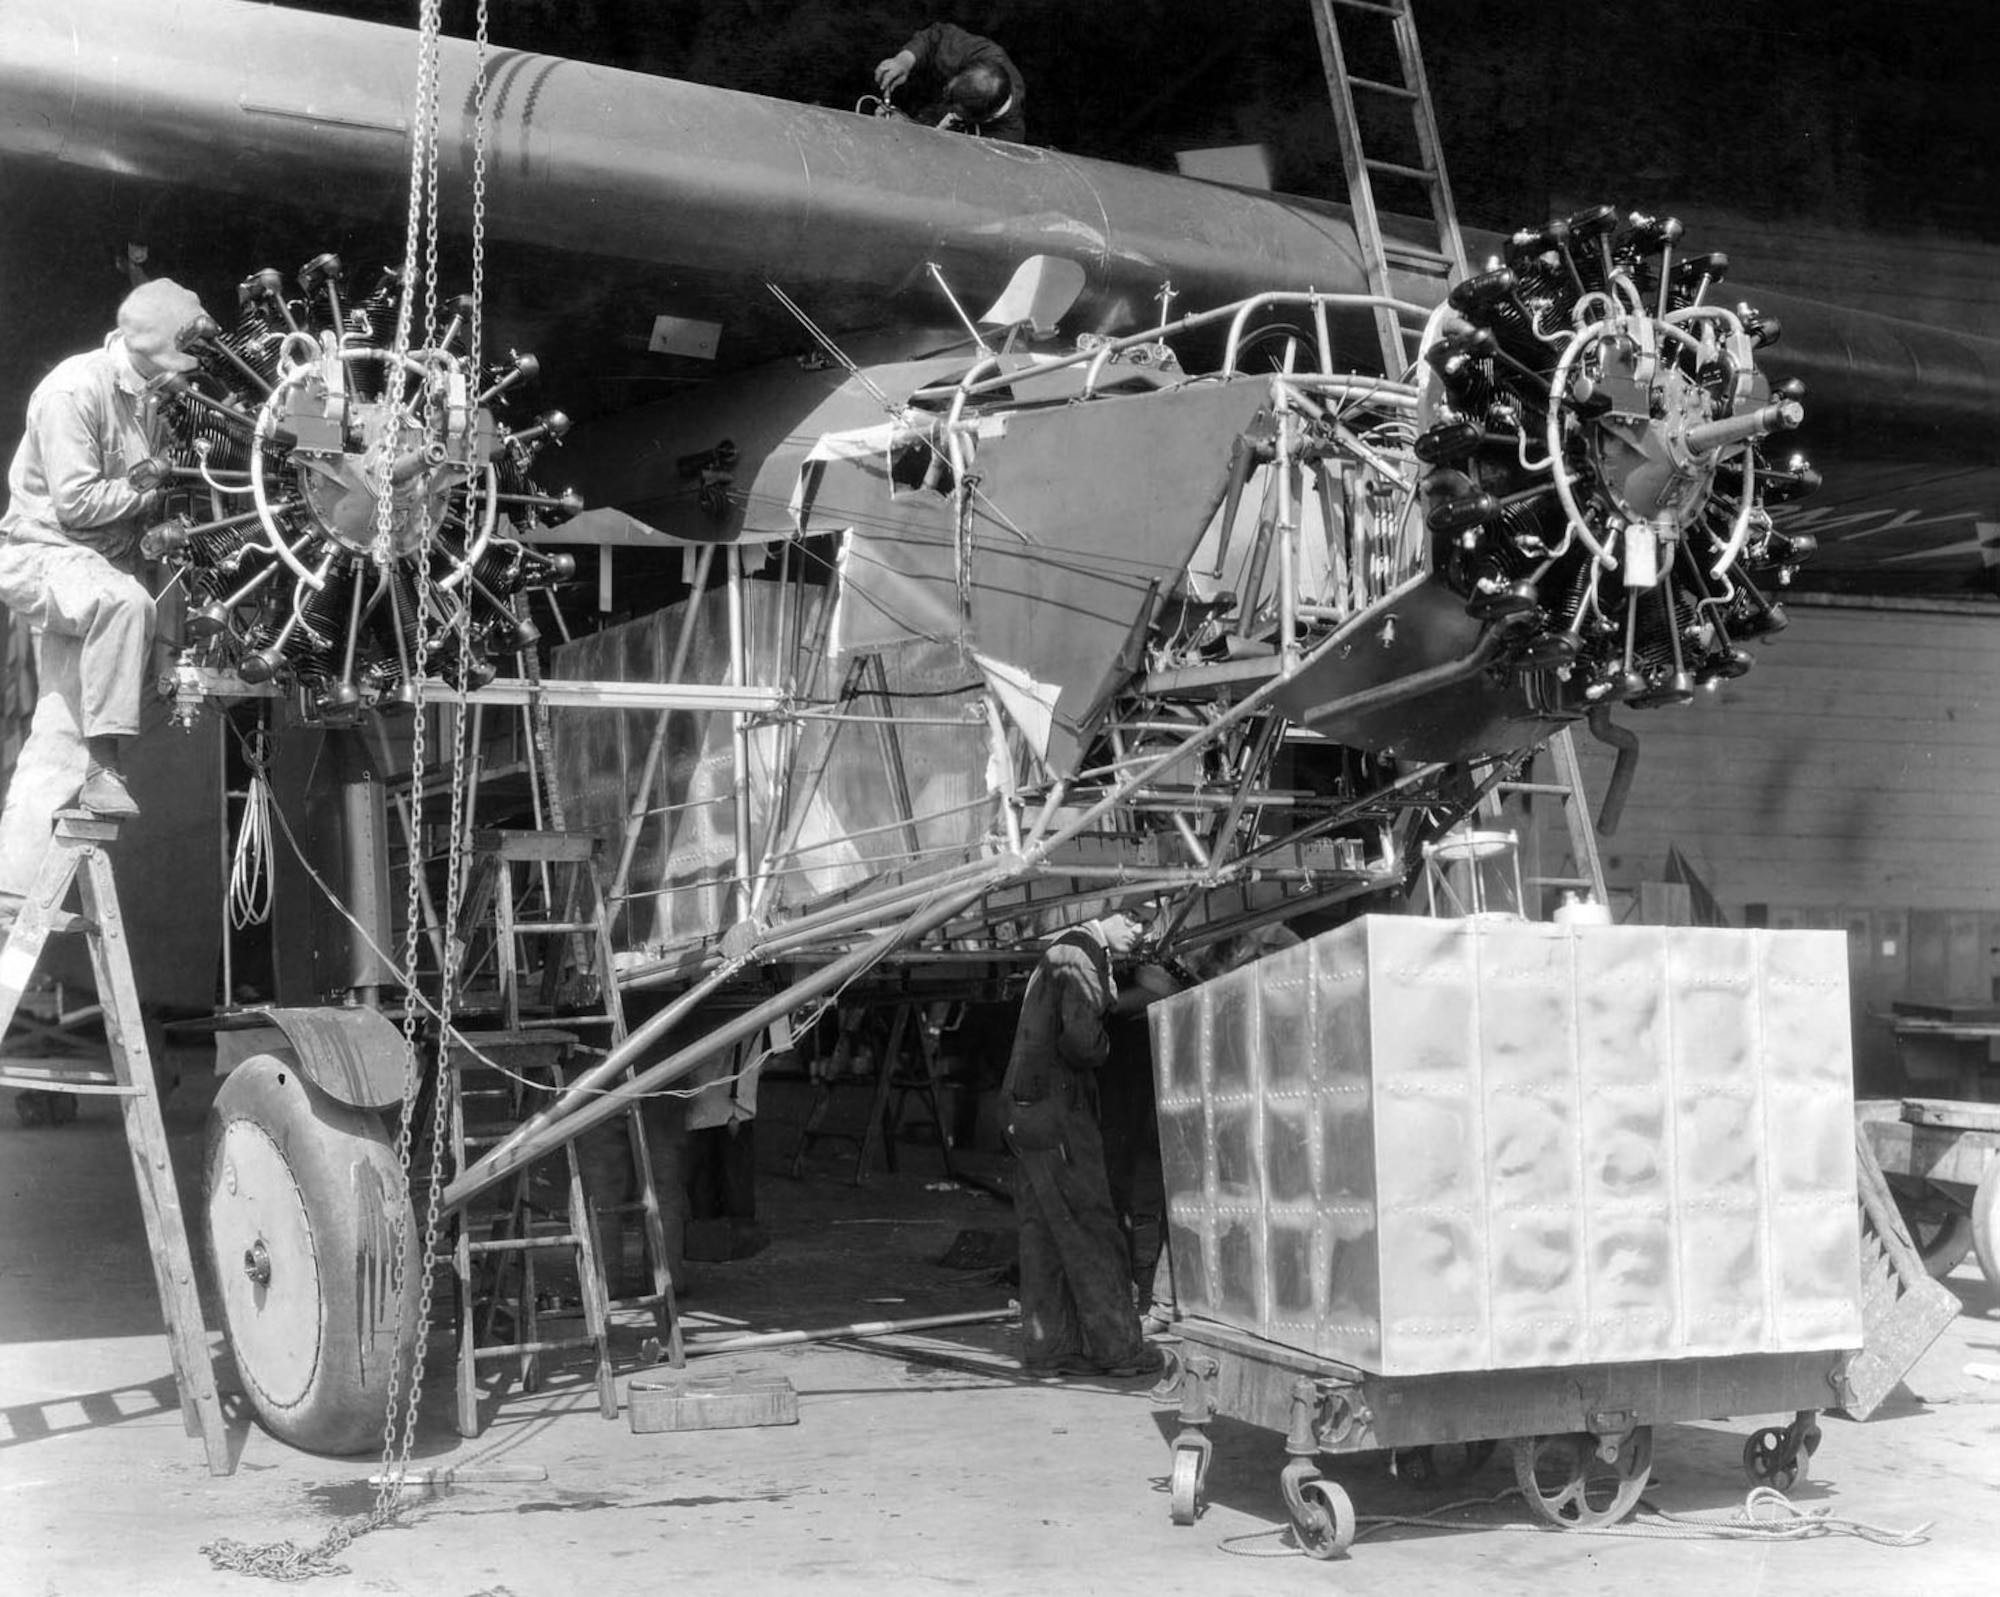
(542, 887)
(77, 858)
(1384, 30)
(1567, 788)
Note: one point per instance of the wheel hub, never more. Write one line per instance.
(275, 1315)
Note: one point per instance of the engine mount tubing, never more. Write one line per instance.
(739, 728)
(642, 797)
(786, 812)
(1356, 807)
(1443, 675)
(563, 1121)
(1286, 468)
(568, 1118)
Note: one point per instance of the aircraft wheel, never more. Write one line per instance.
(306, 1203)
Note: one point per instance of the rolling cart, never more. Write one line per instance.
(1582, 1436)
(1446, 1183)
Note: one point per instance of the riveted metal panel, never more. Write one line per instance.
(1421, 1146)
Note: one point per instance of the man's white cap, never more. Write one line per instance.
(152, 318)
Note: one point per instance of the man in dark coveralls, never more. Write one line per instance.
(1077, 1314)
(975, 87)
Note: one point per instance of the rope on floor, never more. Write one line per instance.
(1766, 1515)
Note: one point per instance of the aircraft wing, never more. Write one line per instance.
(633, 225)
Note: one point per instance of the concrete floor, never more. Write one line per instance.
(922, 1463)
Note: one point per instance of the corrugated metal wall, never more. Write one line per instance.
(1851, 781)
(1859, 764)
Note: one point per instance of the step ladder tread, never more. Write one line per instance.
(530, 886)
(554, 1344)
(94, 1085)
(645, 1300)
(567, 1239)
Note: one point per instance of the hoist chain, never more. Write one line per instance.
(286, 1561)
(480, 129)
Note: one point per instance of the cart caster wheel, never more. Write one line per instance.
(1322, 1514)
(1567, 1484)
(1184, 1486)
(1442, 1463)
(1770, 1460)
(62, 1108)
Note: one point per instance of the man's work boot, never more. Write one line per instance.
(104, 794)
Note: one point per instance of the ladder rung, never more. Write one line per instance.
(1416, 174)
(1558, 881)
(61, 922)
(1381, 7)
(1555, 788)
(551, 1345)
(558, 1022)
(536, 928)
(646, 1300)
(92, 1083)
(1415, 255)
(1400, 90)
(566, 1239)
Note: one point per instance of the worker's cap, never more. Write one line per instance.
(159, 319)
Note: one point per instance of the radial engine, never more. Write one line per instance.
(348, 520)
(1596, 436)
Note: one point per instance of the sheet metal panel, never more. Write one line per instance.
(1423, 1146)
(684, 868)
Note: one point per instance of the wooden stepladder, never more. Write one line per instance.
(77, 858)
(536, 916)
